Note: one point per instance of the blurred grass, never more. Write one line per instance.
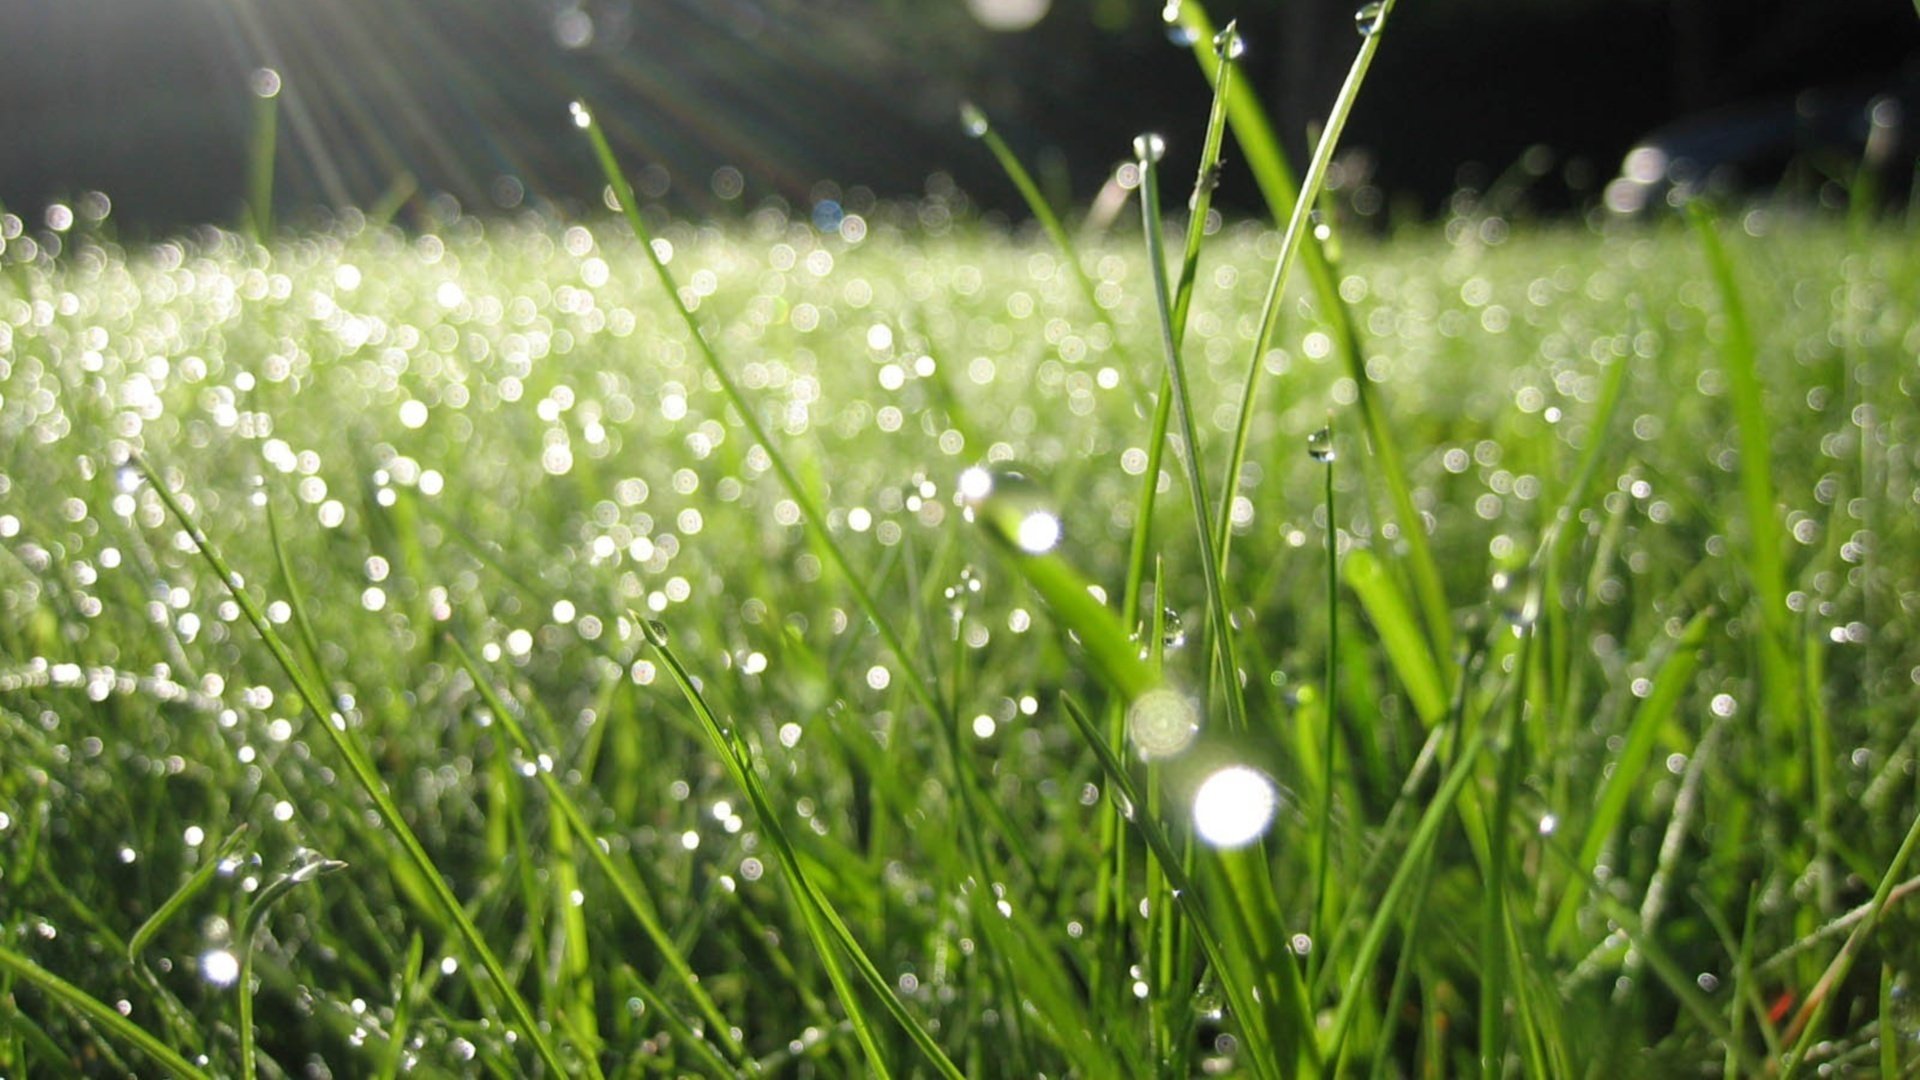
(483, 446)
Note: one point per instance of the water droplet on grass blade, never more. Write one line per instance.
(973, 121)
(655, 630)
(1367, 18)
(1161, 723)
(1228, 44)
(1234, 806)
(1320, 446)
(1149, 148)
(1014, 506)
(581, 117)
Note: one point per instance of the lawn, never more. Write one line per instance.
(416, 655)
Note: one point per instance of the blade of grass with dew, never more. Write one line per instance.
(830, 934)
(1330, 708)
(1149, 150)
(1425, 834)
(631, 892)
(97, 1012)
(918, 682)
(1112, 883)
(976, 124)
(1399, 631)
(1740, 355)
(1295, 234)
(188, 889)
(1274, 177)
(315, 698)
(1264, 1055)
(260, 153)
(1621, 783)
(256, 917)
(1814, 1012)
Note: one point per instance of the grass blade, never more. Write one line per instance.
(830, 934)
(188, 889)
(97, 1012)
(361, 767)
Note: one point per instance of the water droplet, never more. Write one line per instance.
(126, 479)
(973, 121)
(1367, 18)
(1161, 723)
(1014, 506)
(1234, 806)
(581, 117)
(1173, 632)
(220, 967)
(1177, 32)
(1320, 446)
(1228, 44)
(1149, 148)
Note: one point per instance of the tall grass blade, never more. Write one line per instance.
(97, 1012)
(313, 867)
(315, 698)
(631, 891)
(1217, 609)
(824, 925)
(184, 895)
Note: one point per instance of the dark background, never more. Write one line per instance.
(148, 100)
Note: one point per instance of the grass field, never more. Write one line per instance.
(411, 661)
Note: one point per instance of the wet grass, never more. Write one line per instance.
(349, 549)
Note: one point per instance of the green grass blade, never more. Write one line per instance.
(1813, 1014)
(256, 917)
(316, 700)
(188, 889)
(1235, 980)
(830, 933)
(1766, 539)
(1655, 713)
(97, 1012)
(1399, 631)
(1217, 609)
(632, 892)
(976, 124)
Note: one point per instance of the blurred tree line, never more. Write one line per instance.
(151, 101)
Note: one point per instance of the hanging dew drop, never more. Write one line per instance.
(1178, 32)
(973, 121)
(1173, 633)
(1320, 446)
(1367, 19)
(1228, 44)
(581, 117)
(1149, 148)
(1014, 506)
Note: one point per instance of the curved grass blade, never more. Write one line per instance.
(97, 1012)
(630, 890)
(315, 698)
(256, 917)
(1217, 612)
(831, 935)
(1399, 631)
(188, 889)
(1235, 980)
(1622, 782)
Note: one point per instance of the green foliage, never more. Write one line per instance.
(886, 797)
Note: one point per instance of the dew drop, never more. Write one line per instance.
(220, 967)
(1320, 446)
(1234, 806)
(581, 117)
(1149, 148)
(1228, 44)
(973, 121)
(655, 630)
(1161, 723)
(1366, 19)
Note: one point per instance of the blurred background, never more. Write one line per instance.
(716, 104)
